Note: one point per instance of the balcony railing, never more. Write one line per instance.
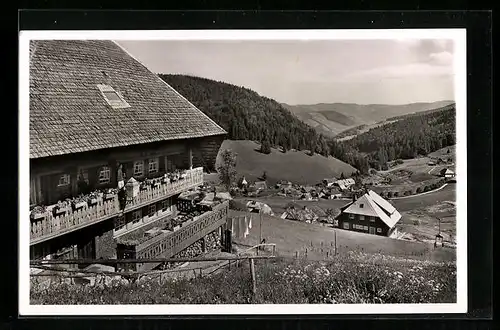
(169, 243)
(49, 224)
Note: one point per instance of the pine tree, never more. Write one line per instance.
(265, 147)
(227, 168)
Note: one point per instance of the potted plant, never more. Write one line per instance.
(143, 185)
(164, 179)
(109, 194)
(79, 202)
(38, 212)
(60, 208)
(93, 197)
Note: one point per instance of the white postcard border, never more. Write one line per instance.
(460, 69)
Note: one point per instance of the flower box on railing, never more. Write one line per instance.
(108, 196)
(38, 215)
(58, 210)
(79, 205)
(93, 200)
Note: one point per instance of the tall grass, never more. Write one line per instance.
(356, 278)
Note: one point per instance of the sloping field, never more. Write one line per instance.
(293, 237)
(443, 153)
(295, 166)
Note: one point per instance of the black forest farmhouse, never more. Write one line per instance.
(101, 121)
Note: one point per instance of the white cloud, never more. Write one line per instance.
(441, 58)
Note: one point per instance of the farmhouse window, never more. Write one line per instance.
(379, 230)
(361, 217)
(64, 180)
(346, 225)
(372, 219)
(152, 209)
(104, 174)
(361, 205)
(336, 223)
(365, 228)
(139, 168)
(351, 216)
(153, 165)
(119, 222)
(136, 216)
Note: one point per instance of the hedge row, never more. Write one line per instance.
(423, 187)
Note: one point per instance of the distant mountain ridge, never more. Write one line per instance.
(332, 118)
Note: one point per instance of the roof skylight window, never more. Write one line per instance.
(112, 97)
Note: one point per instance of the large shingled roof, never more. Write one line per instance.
(69, 114)
(371, 204)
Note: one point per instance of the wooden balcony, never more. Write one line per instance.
(50, 225)
(169, 243)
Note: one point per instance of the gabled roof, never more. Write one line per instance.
(69, 113)
(375, 206)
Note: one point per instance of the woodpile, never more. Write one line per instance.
(212, 243)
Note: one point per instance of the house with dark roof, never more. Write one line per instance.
(369, 213)
(111, 148)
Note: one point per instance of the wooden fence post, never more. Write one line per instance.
(252, 273)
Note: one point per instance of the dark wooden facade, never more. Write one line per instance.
(57, 178)
(363, 224)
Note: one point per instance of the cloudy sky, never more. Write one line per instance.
(309, 72)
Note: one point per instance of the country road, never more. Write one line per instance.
(424, 193)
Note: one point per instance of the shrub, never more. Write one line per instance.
(419, 190)
(396, 194)
(237, 205)
(407, 193)
(389, 194)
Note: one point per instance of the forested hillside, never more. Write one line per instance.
(246, 115)
(417, 134)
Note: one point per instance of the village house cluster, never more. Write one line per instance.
(116, 158)
(326, 189)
